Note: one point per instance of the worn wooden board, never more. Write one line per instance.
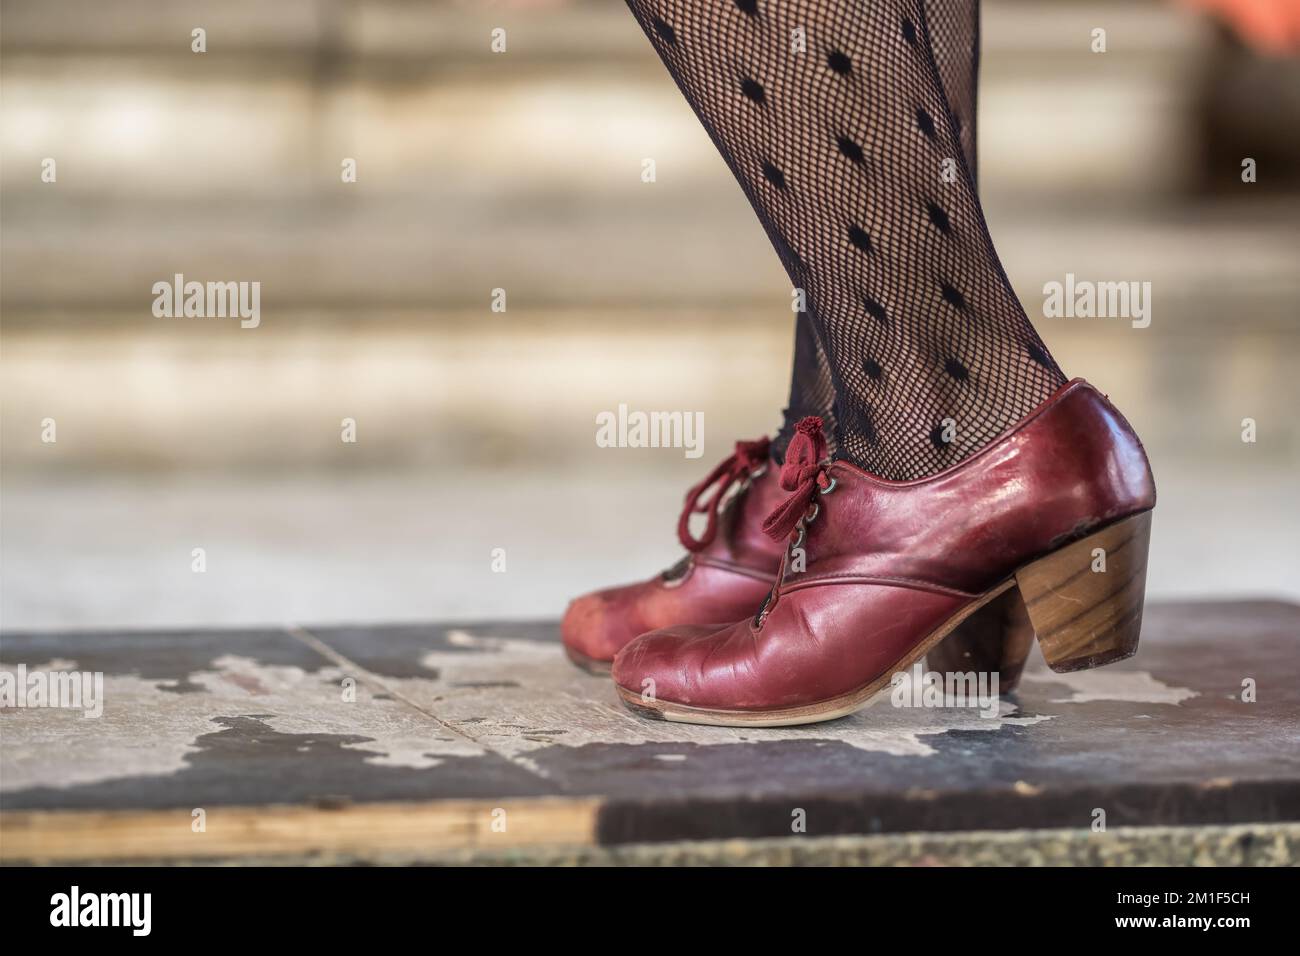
(483, 737)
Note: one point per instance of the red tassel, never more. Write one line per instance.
(799, 476)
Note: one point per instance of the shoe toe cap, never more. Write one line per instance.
(662, 657)
(595, 626)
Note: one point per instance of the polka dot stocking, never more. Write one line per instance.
(850, 128)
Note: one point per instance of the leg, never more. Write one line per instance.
(834, 118)
(954, 38)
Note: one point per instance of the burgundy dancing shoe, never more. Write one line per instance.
(726, 574)
(1043, 532)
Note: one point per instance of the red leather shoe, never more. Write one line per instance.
(1045, 530)
(726, 574)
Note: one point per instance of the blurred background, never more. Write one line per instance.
(522, 170)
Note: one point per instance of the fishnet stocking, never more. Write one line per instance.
(954, 41)
(861, 170)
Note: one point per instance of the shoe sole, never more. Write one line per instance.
(1082, 618)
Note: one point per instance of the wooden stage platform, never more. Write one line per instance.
(481, 743)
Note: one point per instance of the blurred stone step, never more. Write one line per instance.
(412, 92)
(442, 30)
(646, 246)
(174, 394)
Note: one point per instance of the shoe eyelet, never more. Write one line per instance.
(814, 510)
(676, 576)
(829, 488)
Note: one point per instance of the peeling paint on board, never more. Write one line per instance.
(149, 730)
(1135, 687)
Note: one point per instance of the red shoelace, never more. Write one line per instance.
(748, 456)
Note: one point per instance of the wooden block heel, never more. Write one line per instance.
(1083, 617)
(1085, 600)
